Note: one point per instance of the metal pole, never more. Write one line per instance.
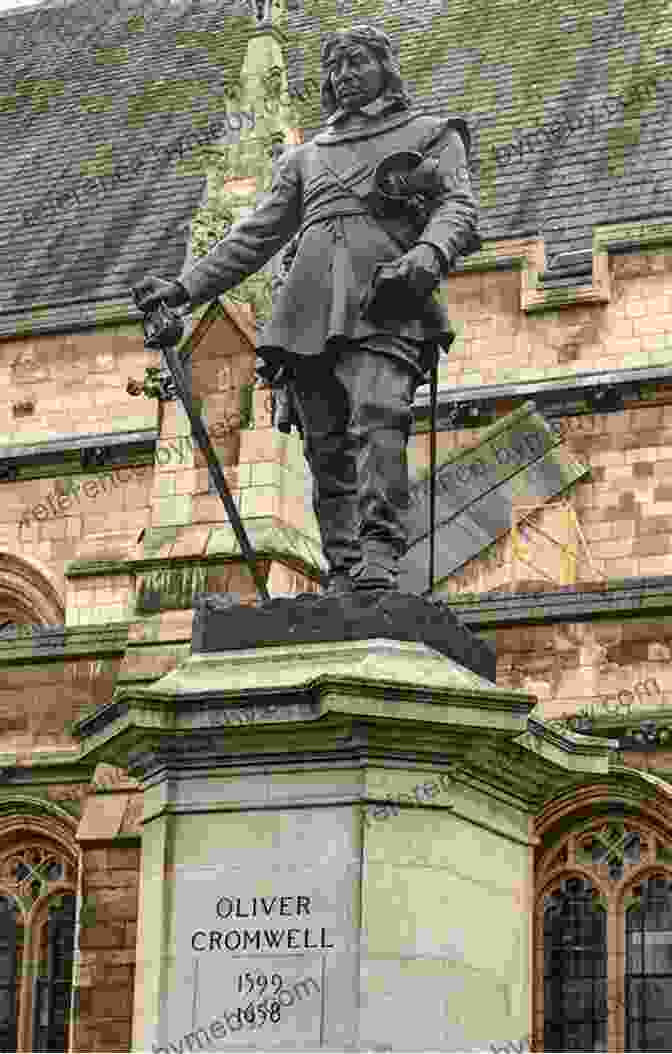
(433, 386)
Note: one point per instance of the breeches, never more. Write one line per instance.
(356, 415)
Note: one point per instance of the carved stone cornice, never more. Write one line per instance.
(353, 704)
(27, 595)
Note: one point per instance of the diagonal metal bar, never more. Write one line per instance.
(433, 387)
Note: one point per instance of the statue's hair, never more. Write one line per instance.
(380, 44)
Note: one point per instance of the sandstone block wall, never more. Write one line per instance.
(108, 948)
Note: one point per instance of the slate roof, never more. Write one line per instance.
(521, 68)
(104, 79)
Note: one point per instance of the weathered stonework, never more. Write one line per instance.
(108, 574)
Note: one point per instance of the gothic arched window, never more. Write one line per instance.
(27, 597)
(603, 940)
(37, 931)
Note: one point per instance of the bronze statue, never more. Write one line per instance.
(382, 205)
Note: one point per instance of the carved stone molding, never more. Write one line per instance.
(27, 595)
(27, 367)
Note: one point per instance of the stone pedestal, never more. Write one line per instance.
(336, 850)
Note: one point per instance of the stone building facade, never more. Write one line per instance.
(109, 530)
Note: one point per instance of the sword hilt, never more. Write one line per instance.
(162, 327)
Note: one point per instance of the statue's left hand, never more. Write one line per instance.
(421, 269)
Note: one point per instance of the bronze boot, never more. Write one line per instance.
(339, 581)
(378, 568)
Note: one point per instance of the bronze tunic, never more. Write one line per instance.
(320, 190)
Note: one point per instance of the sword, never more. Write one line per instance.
(163, 329)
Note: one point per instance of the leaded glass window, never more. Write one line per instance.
(604, 937)
(37, 928)
(11, 946)
(575, 968)
(53, 984)
(648, 966)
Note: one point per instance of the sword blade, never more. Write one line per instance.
(203, 439)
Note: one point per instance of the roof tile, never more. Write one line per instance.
(571, 121)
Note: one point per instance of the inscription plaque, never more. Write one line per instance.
(250, 970)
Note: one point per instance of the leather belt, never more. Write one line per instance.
(330, 214)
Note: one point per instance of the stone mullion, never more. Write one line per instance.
(648, 857)
(615, 976)
(31, 948)
(571, 851)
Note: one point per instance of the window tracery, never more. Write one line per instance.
(611, 850)
(603, 939)
(31, 870)
(37, 928)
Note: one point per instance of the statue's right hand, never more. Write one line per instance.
(149, 292)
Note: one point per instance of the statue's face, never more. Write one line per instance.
(357, 76)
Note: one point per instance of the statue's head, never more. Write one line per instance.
(363, 57)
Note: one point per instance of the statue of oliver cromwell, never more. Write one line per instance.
(381, 205)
